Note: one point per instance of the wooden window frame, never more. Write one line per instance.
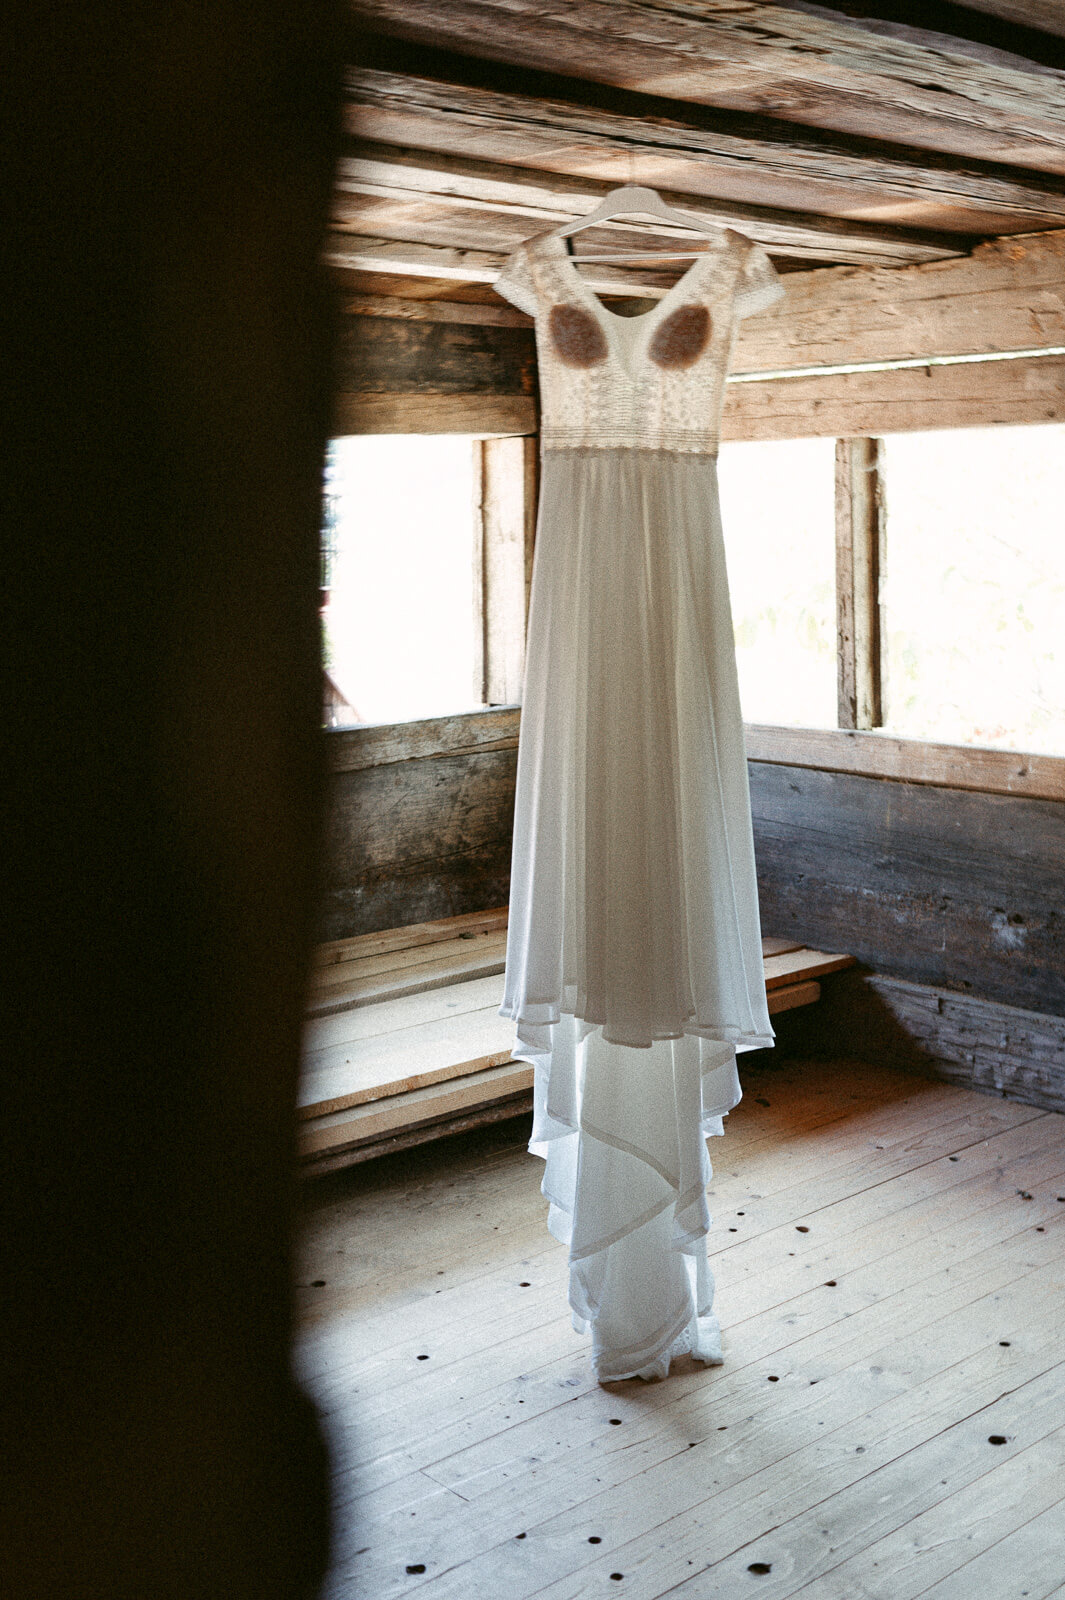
(505, 492)
(503, 528)
(860, 528)
(504, 535)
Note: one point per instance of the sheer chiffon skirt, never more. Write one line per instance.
(634, 964)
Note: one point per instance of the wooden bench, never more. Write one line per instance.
(404, 1040)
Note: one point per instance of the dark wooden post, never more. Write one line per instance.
(166, 194)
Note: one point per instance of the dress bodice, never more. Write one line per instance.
(651, 382)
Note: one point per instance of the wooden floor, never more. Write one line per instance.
(889, 1421)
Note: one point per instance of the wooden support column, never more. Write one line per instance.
(532, 509)
(504, 563)
(859, 560)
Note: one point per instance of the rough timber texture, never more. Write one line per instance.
(881, 755)
(1046, 14)
(999, 1049)
(851, 404)
(939, 886)
(412, 840)
(852, 74)
(860, 517)
(942, 1033)
(384, 190)
(1008, 295)
(397, 375)
(556, 125)
(351, 749)
(379, 355)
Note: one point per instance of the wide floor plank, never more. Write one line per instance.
(890, 1261)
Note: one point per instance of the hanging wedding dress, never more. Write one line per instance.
(634, 964)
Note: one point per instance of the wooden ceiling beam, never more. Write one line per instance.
(359, 253)
(490, 194)
(1049, 15)
(696, 151)
(854, 74)
(1009, 295)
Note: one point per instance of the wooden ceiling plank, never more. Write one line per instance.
(511, 128)
(364, 254)
(1049, 15)
(850, 73)
(404, 175)
(384, 305)
(851, 404)
(1008, 295)
(360, 253)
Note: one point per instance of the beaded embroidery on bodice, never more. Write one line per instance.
(649, 382)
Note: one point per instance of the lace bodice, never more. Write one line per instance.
(651, 382)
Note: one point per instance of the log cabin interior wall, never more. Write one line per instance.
(904, 165)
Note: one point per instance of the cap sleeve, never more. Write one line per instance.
(759, 285)
(515, 282)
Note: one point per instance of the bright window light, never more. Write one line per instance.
(399, 616)
(778, 509)
(974, 591)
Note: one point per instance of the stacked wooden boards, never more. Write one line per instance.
(404, 1039)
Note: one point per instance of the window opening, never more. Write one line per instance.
(974, 590)
(400, 560)
(777, 506)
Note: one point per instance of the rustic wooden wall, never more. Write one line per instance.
(390, 355)
(939, 886)
(937, 889)
(424, 375)
(450, 366)
(950, 897)
(932, 884)
(420, 822)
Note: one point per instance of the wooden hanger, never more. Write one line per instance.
(631, 200)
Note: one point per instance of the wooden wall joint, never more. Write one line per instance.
(860, 517)
(502, 565)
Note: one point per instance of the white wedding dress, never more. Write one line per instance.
(634, 965)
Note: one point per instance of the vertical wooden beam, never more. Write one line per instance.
(859, 560)
(480, 483)
(504, 524)
(532, 506)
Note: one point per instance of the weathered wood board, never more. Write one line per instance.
(915, 399)
(351, 749)
(418, 839)
(937, 885)
(440, 198)
(484, 415)
(378, 355)
(943, 1033)
(853, 74)
(1009, 294)
(617, 136)
(396, 375)
(931, 883)
(882, 755)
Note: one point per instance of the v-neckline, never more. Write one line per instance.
(597, 304)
